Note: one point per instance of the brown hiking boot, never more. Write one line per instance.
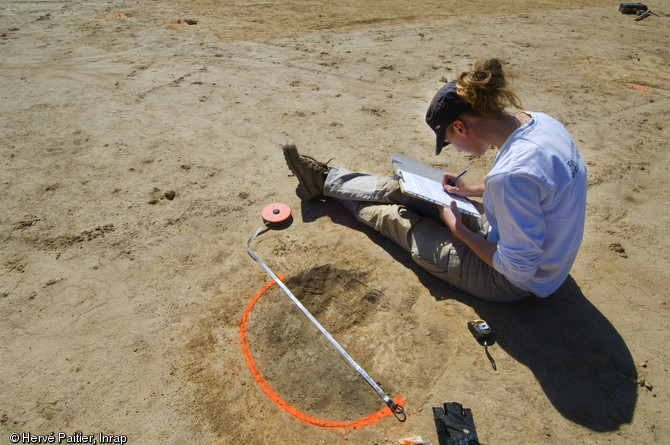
(310, 173)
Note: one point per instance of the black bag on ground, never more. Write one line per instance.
(632, 8)
(455, 425)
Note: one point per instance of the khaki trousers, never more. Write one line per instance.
(415, 225)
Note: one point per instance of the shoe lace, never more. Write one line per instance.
(319, 167)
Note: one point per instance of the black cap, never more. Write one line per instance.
(445, 108)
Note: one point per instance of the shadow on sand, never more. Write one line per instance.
(579, 359)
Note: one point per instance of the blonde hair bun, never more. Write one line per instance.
(485, 88)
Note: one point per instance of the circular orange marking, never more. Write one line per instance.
(328, 424)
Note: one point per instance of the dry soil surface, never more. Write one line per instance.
(137, 155)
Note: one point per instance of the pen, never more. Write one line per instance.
(457, 177)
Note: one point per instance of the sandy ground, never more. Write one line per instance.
(136, 157)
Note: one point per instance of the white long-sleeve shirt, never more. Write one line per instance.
(535, 202)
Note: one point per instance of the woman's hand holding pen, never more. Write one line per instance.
(455, 185)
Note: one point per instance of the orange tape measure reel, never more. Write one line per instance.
(276, 213)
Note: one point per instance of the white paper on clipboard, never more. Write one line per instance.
(429, 190)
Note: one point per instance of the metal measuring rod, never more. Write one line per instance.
(278, 214)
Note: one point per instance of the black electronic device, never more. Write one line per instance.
(484, 334)
(480, 329)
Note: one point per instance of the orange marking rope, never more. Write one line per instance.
(640, 88)
(328, 424)
(179, 22)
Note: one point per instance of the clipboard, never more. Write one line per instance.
(424, 182)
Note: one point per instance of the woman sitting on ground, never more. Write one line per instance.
(534, 197)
